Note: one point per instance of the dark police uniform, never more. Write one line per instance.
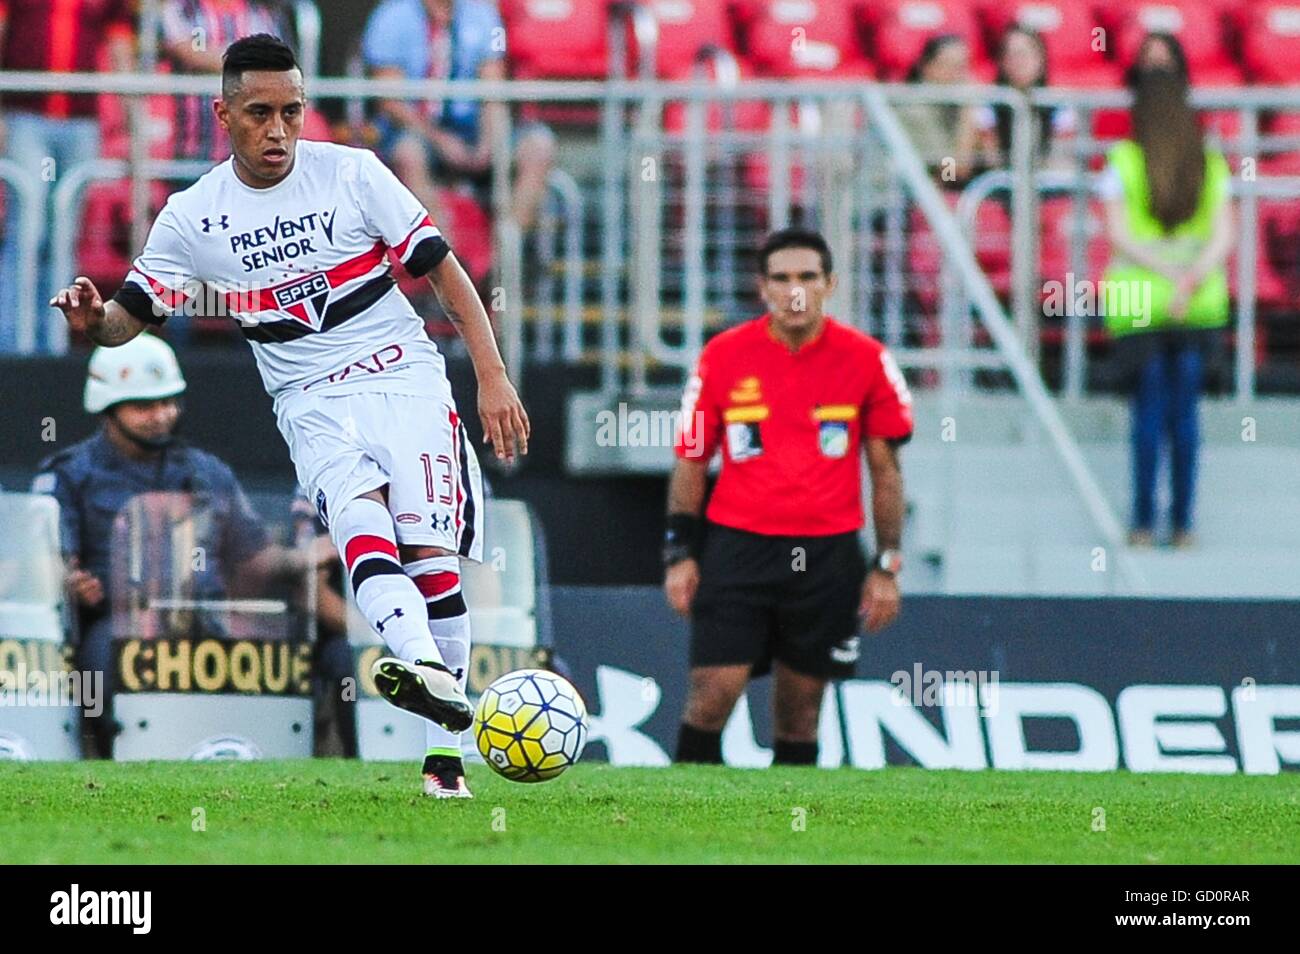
(781, 569)
(93, 482)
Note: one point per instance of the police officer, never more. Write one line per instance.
(136, 389)
(772, 574)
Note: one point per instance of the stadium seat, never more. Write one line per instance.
(1056, 223)
(1067, 29)
(557, 39)
(746, 115)
(104, 242)
(469, 230)
(115, 138)
(992, 251)
(900, 28)
(1277, 270)
(802, 38)
(1270, 42)
(685, 28)
(1199, 26)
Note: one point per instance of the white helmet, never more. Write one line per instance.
(143, 369)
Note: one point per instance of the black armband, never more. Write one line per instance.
(427, 256)
(682, 538)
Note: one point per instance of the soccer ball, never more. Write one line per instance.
(530, 725)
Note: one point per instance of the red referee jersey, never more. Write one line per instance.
(790, 425)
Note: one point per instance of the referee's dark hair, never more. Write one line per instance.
(794, 238)
(261, 51)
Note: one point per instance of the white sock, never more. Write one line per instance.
(363, 531)
(438, 579)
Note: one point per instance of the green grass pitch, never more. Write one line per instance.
(335, 811)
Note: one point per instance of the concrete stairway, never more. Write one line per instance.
(992, 511)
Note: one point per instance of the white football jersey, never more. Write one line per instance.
(303, 267)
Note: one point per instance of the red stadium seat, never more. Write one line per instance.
(115, 138)
(685, 28)
(557, 39)
(104, 241)
(899, 29)
(1199, 26)
(1068, 32)
(1270, 42)
(468, 229)
(1056, 221)
(1277, 266)
(806, 38)
(992, 251)
(746, 115)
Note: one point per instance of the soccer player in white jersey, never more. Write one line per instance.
(292, 238)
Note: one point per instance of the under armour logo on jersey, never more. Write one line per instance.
(380, 625)
(327, 223)
(444, 524)
(223, 223)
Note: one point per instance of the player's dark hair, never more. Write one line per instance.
(261, 51)
(794, 238)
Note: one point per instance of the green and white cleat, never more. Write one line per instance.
(428, 689)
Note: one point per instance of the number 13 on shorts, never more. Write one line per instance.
(436, 496)
(445, 479)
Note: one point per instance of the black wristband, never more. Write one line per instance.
(681, 538)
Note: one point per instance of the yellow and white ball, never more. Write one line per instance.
(530, 725)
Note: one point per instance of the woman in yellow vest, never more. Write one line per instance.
(1165, 293)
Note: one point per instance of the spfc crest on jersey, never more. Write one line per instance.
(305, 299)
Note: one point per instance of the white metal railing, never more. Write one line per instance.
(633, 232)
(1015, 358)
(572, 212)
(31, 198)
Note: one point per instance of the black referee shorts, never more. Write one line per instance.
(792, 599)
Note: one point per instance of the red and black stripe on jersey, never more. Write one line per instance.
(426, 255)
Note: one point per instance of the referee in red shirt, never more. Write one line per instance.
(773, 576)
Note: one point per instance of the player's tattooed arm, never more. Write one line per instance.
(886, 492)
(117, 327)
(505, 422)
(107, 324)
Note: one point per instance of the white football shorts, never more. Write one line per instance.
(345, 445)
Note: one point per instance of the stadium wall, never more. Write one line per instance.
(600, 531)
(1071, 684)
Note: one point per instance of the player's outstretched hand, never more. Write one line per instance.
(505, 422)
(81, 304)
(880, 601)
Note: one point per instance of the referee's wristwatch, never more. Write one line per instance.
(888, 561)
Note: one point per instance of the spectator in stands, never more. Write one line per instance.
(945, 134)
(195, 34)
(1022, 65)
(451, 140)
(47, 133)
(1159, 52)
(135, 389)
(1170, 222)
